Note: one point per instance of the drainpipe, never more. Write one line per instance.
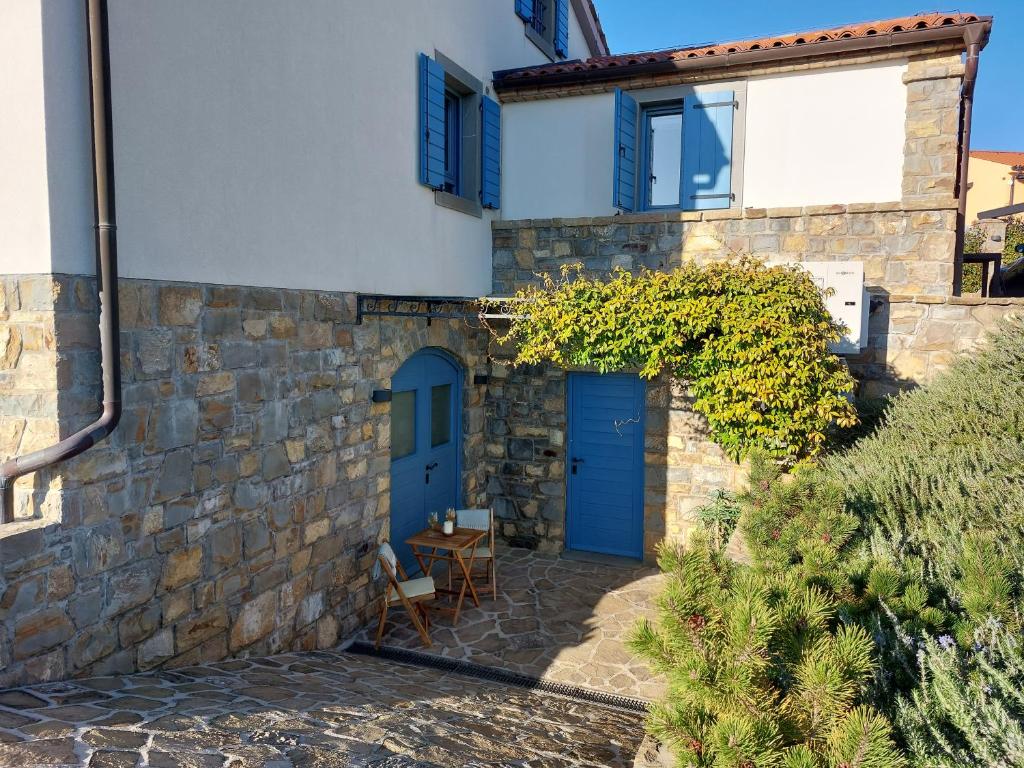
(106, 273)
(975, 39)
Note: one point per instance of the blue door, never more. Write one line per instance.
(605, 505)
(425, 444)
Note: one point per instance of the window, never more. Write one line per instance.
(539, 18)
(546, 23)
(403, 424)
(663, 128)
(440, 414)
(674, 153)
(452, 139)
(460, 137)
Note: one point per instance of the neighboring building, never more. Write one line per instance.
(995, 180)
(306, 194)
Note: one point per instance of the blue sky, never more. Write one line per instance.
(638, 25)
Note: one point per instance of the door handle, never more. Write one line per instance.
(431, 465)
(575, 463)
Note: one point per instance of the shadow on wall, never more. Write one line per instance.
(888, 366)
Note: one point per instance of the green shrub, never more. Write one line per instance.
(719, 517)
(1014, 237)
(939, 489)
(948, 459)
(974, 239)
(760, 670)
(799, 524)
(751, 342)
(969, 707)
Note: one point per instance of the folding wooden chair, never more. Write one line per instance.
(481, 520)
(411, 593)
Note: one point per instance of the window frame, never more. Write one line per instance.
(452, 142)
(545, 41)
(415, 436)
(653, 98)
(469, 90)
(646, 153)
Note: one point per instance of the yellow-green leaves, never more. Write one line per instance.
(751, 342)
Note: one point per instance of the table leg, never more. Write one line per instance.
(431, 558)
(469, 572)
(467, 579)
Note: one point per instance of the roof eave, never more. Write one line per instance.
(590, 23)
(969, 32)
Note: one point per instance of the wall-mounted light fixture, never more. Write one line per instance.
(381, 396)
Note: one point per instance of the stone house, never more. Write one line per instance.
(304, 218)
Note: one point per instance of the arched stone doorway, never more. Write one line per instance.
(426, 443)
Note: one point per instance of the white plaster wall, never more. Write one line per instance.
(557, 157)
(818, 138)
(24, 207)
(833, 136)
(267, 143)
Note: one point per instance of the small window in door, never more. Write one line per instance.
(403, 424)
(440, 414)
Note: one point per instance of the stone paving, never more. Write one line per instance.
(300, 710)
(556, 618)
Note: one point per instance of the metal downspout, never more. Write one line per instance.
(975, 42)
(106, 272)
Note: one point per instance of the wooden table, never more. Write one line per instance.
(448, 549)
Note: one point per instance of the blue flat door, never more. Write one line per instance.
(425, 444)
(605, 505)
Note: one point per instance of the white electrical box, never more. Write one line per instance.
(848, 303)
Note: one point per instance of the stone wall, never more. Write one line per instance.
(915, 330)
(913, 338)
(236, 508)
(48, 353)
(905, 247)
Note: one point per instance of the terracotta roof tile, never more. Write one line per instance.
(859, 30)
(998, 156)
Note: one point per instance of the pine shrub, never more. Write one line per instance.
(761, 671)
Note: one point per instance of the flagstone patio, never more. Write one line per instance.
(561, 619)
(307, 710)
(556, 618)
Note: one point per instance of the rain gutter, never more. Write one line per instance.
(106, 272)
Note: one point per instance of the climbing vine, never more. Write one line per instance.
(749, 340)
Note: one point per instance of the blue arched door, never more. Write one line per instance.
(426, 397)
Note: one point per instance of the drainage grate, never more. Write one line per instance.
(500, 676)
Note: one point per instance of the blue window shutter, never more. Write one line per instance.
(490, 153)
(431, 93)
(524, 9)
(707, 150)
(562, 27)
(627, 114)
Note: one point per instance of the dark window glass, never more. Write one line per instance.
(452, 141)
(440, 415)
(403, 424)
(539, 20)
